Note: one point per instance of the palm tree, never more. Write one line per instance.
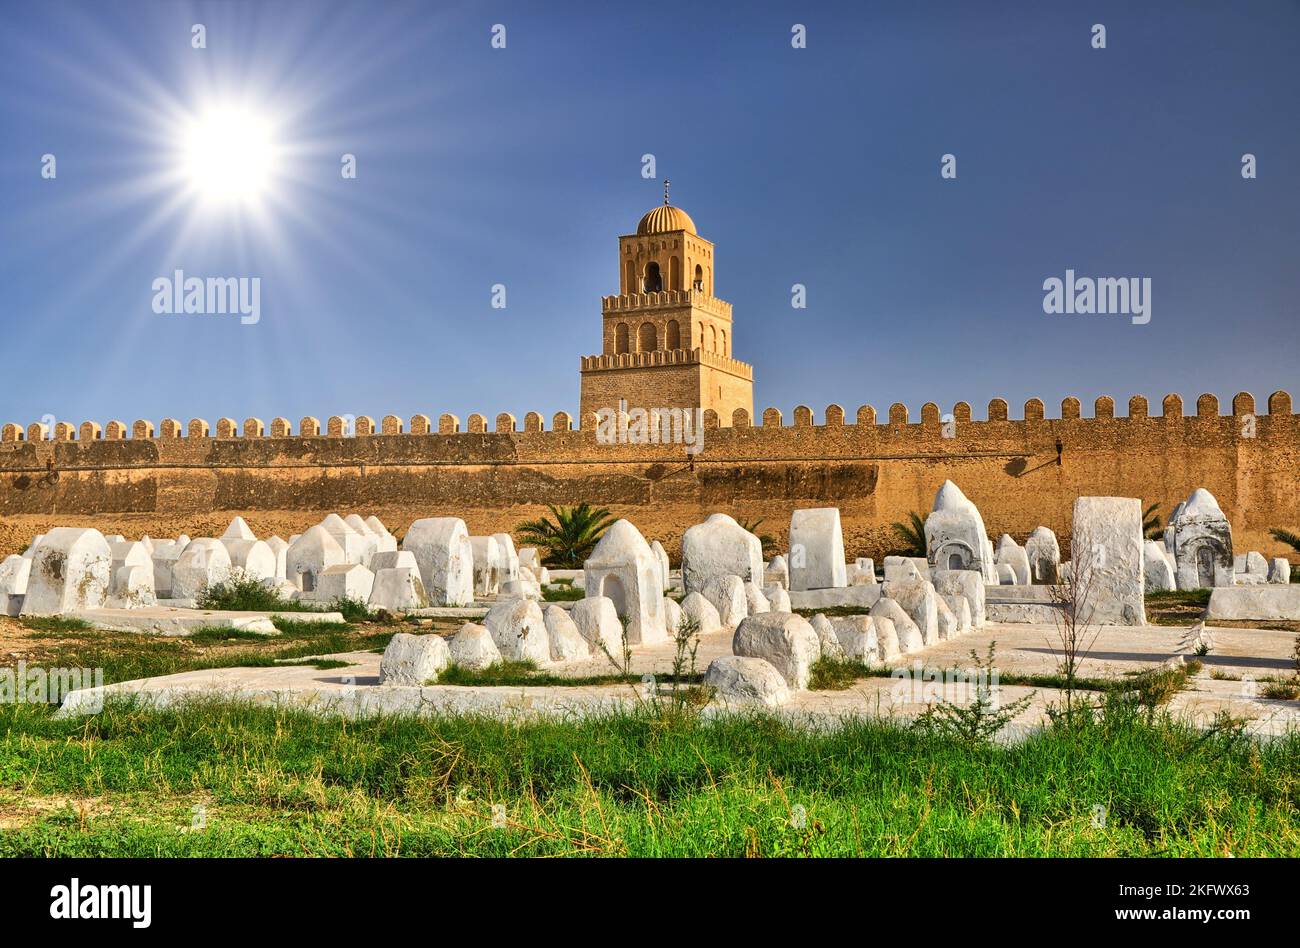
(1286, 536)
(1151, 528)
(912, 533)
(567, 540)
(752, 527)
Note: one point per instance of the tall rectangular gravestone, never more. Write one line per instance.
(1108, 576)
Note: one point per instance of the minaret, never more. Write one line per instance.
(667, 338)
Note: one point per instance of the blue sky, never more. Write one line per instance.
(521, 166)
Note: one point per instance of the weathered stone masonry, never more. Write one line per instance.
(875, 472)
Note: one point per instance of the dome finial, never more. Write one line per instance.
(666, 183)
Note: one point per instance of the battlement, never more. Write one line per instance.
(658, 357)
(666, 299)
(944, 425)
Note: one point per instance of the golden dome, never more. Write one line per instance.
(664, 219)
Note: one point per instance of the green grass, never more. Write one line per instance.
(829, 674)
(278, 782)
(566, 593)
(834, 612)
(127, 656)
(1179, 608)
(55, 624)
(526, 673)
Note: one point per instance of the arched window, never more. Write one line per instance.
(723, 350)
(713, 338)
(675, 273)
(653, 281)
(646, 338)
(620, 337)
(629, 281)
(672, 335)
(699, 277)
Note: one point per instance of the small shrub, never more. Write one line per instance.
(978, 722)
(835, 674)
(240, 592)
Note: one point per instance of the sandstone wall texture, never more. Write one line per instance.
(135, 480)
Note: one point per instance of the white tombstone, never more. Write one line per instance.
(367, 535)
(528, 557)
(489, 565)
(344, 581)
(719, 547)
(672, 616)
(239, 530)
(204, 562)
(784, 639)
(727, 593)
(966, 583)
(279, 548)
(777, 572)
(1257, 566)
(828, 642)
(1044, 553)
(506, 543)
(128, 553)
(661, 555)
(566, 643)
(519, 630)
(908, 636)
(855, 636)
(740, 681)
(14, 574)
(702, 612)
(394, 559)
(816, 550)
(398, 589)
(918, 598)
(1157, 567)
(133, 587)
(778, 599)
(446, 559)
(1279, 570)
(413, 660)
(310, 555)
(1013, 554)
(472, 647)
(164, 557)
(254, 558)
(598, 624)
(1202, 543)
(755, 601)
(955, 537)
(356, 547)
(905, 567)
(624, 569)
(862, 572)
(1107, 553)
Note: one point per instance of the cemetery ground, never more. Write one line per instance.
(1167, 761)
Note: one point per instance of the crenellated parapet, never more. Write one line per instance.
(932, 419)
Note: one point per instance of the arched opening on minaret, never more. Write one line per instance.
(699, 277)
(675, 273)
(723, 350)
(620, 338)
(647, 339)
(673, 335)
(653, 280)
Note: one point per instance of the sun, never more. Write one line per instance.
(228, 155)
